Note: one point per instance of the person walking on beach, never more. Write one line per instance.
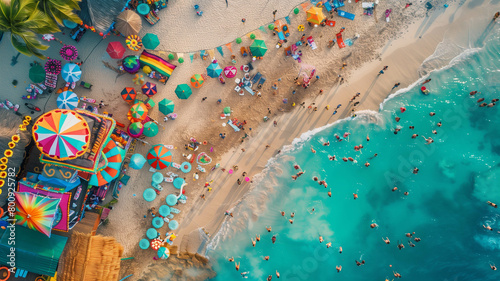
(275, 123)
(427, 81)
(239, 182)
(274, 14)
(395, 85)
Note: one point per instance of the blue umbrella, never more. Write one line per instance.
(70, 24)
(157, 178)
(163, 253)
(144, 244)
(164, 210)
(67, 100)
(152, 233)
(185, 167)
(137, 161)
(173, 225)
(171, 199)
(158, 222)
(149, 194)
(178, 182)
(71, 72)
(214, 70)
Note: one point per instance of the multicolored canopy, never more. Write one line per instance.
(129, 94)
(137, 112)
(53, 66)
(115, 156)
(214, 70)
(159, 157)
(258, 48)
(197, 81)
(131, 64)
(166, 106)
(230, 71)
(315, 15)
(35, 212)
(133, 42)
(135, 129)
(149, 89)
(61, 134)
(183, 91)
(150, 41)
(71, 72)
(67, 100)
(115, 50)
(68, 52)
(150, 129)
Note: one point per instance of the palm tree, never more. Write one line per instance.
(60, 10)
(22, 19)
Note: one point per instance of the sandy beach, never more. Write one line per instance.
(405, 44)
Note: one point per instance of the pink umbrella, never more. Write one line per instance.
(247, 179)
(230, 71)
(230, 171)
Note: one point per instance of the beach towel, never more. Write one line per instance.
(248, 89)
(236, 129)
(157, 63)
(340, 41)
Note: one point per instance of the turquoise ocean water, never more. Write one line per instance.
(446, 205)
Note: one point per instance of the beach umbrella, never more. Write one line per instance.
(137, 161)
(156, 243)
(149, 195)
(230, 71)
(133, 42)
(163, 253)
(185, 167)
(35, 212)
(61, 134)
(115, 156)
(115, 50)
(67, 100)
(214, 70)
(183, 91)
(144, 244)
(258, 48)
(166, 106)
(135, 129)
(71, 72)
(227, 110)
(164, 210)
(70, 24)
(150, 41)
(150, 129)
(131, 64)
(129, 94)
(137, 112)
(150, 103)
(143, 9)
(68, 52)
(128, 23)
(173, 225)
(152, 233)
(159, 157)
(178, 182)
(171, 199)
(315, 15)
(157, 222)
(53, 66)
(157, 178)
(149, 89)
(37, 73)
(197, 81)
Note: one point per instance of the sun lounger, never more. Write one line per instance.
(328, 6)
(338, 3)
(248, 89)
(152, 18)
(345, 14)
(261, 82)
(236, 129)
(256, 77)
(51, 80)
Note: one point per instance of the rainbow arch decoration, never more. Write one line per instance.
(156, 63)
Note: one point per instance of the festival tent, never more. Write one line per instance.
(71, 72)
(137, 112)
(67, 100)
(114, 156)
(149, 89)
(166, 106)
(37, 73)
(35, 212)
(315, 15)
(197, 81)
(258, 48)
(150, 41)
(159, 157)
(129, 94)
(214, 70)
(183, 91)
(115, 50)
(128, 23)
(150, 129)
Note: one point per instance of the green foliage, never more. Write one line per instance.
(60, 10)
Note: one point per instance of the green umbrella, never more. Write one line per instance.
(37, 73)
(258, 48)
(227, 110)
(150, 129)
(166, 106)
(150, 41)
(183, 91)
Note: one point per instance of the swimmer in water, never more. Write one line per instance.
(396, 131)
(297, 167)
(373, 225)
(439, 124)
(315, 178)
(320, 239)
(411, 127)
(273, 239)
(492, 204)
(397, 119)
(488, 227)
(345, 159)
(340, 250)
(355, 196)
(395, 188)
(473, 93)
(386, 240)
(411, 244)
(416, 239)
(257, 237)
(415, 170)
(367, 164)
(326, 143)
(330, 193)
(282, 213)
(268, 229)
(237, 265)
(269, 278)
(428, 140)
(493, 267)
(253, 242)
(434, 132)
(291, 221)
(397, 275)
(312, 150)
(414, 136)
(331, 157)
(409, 235)
(292, 215)
(432, 113)
(231, 259)
(406, 193)
(367, 138)
(266, 258)
(338, 268)
(294, 177)
(277, 274)
(312, 210)
(400, 245)
(328, 245)
(480, 100)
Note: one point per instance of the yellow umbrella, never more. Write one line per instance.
(315, 15)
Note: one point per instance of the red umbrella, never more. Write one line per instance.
(115, 50)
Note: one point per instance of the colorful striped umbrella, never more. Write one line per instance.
(137, 112)
(258, 48)
(150, 41)
(156, 243)
(197, 81)
(149, 89)
(183, 91)
(135, 129)
(159, 157)
(71, 72)
(163, 253)
(115, 156)
(133, 42)
(166, 106)
(214, 70)
(61, 134)
(115, 50)
(129, 94)
(131, 64)
(35, 212)
(67, 100)
(68, 52)
(150, 129)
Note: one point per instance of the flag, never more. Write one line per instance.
(220, 50)
(211, 53)
(228, 45)
(287, 18)
(263, 29)
(191, 56)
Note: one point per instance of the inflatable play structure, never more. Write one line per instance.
(156, 63)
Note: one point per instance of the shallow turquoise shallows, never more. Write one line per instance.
(445, 206)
